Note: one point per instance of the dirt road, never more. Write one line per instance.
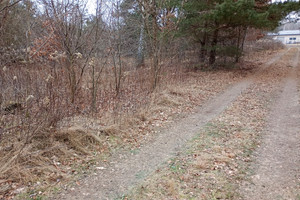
(277, 165)
(277, 169)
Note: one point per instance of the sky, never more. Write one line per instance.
(281, 0)
(91, 5)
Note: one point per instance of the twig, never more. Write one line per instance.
(11, 5)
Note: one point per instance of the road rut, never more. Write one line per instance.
(277, 168)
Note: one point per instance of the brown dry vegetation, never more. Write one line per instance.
(48, 155)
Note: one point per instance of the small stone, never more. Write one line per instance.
(100, 168)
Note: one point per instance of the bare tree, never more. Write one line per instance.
(150, 12)
(157, 18)
(68, 21)
(101, 52)
(117, 45)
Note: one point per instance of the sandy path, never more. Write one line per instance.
(277, 169)
(127, 170)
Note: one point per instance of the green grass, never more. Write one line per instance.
(140, 174)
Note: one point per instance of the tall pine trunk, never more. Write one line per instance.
(213, 51)
(242, 33)
(203, 50)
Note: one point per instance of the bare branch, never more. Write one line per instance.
(9, 6)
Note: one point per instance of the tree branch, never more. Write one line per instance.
(9, 6)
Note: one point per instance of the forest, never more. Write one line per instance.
(106, 63)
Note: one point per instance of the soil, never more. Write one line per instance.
(277, 160)
(277, 167)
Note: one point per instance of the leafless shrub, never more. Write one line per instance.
(264, 44)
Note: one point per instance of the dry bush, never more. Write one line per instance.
(33, 142)
(256, 40)
(25, 130)
(264, 44)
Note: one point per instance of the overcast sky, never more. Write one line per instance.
(91, 5)
(92, 10)
(282, 0)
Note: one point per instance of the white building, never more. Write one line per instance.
(288, 37)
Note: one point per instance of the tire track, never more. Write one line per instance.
(277, 169)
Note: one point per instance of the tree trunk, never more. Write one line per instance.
(214, 42)
(240, 43)
(244, 38)
(203, 51)
(94, 93)
(237, 55)
(140, 57)
(156, 47)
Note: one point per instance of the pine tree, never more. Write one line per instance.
(220, 26)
